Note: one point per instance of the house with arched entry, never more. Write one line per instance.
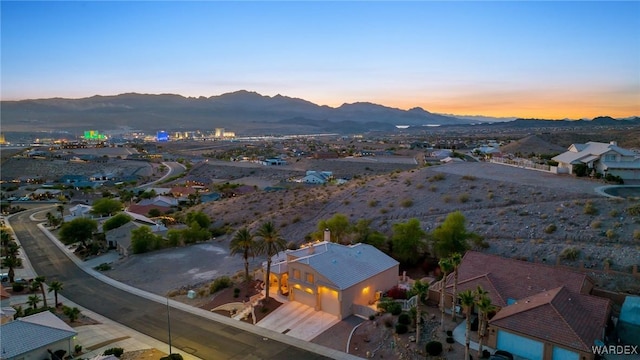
(331, 277)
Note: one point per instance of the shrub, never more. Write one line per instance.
(437, 177)
(401, 329)
(103, 267)
(397, 293)
(388, 321)
(433, 188)
(636, 234)
(634, 210)
(490, 195)
(463, 198)
(172, 357)
(406, 203)
(446, 199)
(77, 348)
(614, 213)
(596, 224)
(372, 317)
(396, 309)
(450, 340)
(550, 229)
(570, 254)
(404, 318)
(469, 177)
(434, 348)
(611, 234)
(589, 209)
(115, 351)
(17, 287)
(373, 203)
(449, 333)
(220, 283)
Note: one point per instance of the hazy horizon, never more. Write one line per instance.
(551, 60)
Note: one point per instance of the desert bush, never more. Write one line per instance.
(590, 209)
(433, 188)
(384, 211)
(469, 177)
(17, 287)
(614, 213)
(550, 229)
(463, 198)
(388, 321)
(420, 186)
(437, 177)
(596, 224)
(636, 234)
(611, 234)
(490, 195)
(570, 254)
(373, 203)
(406, 203)
(480, 242)
(220, 283)
(434, 348)
(446, 199)
(115, 351)
(634, 210)
(401, 329)
(396, 309)
(372, 317)
(404, 318)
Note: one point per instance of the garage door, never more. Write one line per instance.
(329, 301)
(564, 354)
(304, 297)
(521, 346)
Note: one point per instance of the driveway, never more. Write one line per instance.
(298, 320)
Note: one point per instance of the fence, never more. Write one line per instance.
(523, 163)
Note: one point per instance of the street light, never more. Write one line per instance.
(169, 326)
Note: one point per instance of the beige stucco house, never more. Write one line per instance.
(334, 278)
(603, 158)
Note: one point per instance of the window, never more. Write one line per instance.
(610, 157)
(310, 278)
(296, 274)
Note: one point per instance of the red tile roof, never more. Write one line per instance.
(506, 278)
(559, 316)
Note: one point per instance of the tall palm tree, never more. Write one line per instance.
(243, 243)
(455, 259)
(60, 209)
(467, 299)
(485, 306)
(420, 289)
(39, 280)
(270, 244)
(11, 262)
(33, 301)
(55, 286)
(445, 267)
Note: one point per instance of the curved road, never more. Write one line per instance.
(190, 333)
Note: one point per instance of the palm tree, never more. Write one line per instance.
(467, 299)
(39, 280)
(420, 289)
(455, 259)
(33, 301)
(243, 243)
(60, 209)
(55, 286)
(270, 244)
(445, 267)
(72, 313)
(11, 262)
(483, 302)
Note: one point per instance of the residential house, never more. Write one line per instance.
(70, 179)
(209, 197)
(120, 237)
(628, 327)
(35, 337)
(544, 312)
(6, 311)
(273, 161)
(160, 200)
(78, 211)
(317, 177)
(602, 158)
(334, 278)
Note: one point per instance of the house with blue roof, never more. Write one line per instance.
(334, 278)
(36, 337)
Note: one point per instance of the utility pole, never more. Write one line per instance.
(169, 326)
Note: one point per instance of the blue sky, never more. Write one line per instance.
(530, 59)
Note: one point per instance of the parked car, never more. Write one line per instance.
(4, 277)
(501, 355)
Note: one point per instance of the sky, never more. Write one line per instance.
(524, 59)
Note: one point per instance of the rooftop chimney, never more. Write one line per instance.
(614, 143)
(327, 235)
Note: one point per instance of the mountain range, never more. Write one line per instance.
(244, 112)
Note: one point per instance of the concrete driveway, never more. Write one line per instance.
(298, 320)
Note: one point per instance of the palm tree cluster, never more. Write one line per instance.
(265, 241)
(480, 299)
(10, 251)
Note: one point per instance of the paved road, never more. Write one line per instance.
(190, 333)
